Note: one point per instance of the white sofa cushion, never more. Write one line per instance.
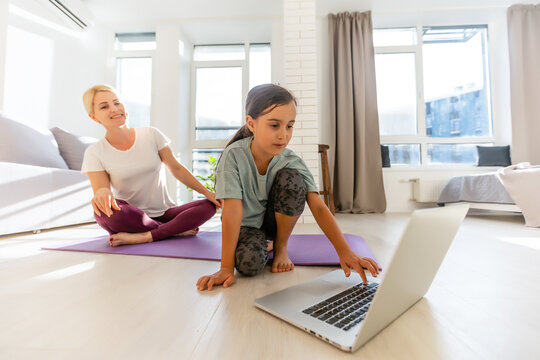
(72, 147)
(22, 144)
(36, 197)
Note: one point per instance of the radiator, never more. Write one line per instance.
(427, 190)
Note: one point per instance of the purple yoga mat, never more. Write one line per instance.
(302, 249)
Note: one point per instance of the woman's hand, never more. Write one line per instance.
(223, 277)
(104, 202)
(211, 196)
(352, 260)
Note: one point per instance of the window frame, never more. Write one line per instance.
(421, 138)
(244, 64)
(205, 144)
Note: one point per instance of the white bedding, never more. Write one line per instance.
(522, 181)
(478, 188)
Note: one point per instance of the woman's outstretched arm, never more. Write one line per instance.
(185, 176)
(103, 200)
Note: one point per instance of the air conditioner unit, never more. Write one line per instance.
(74, 12)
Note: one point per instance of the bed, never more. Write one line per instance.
(513, 188)
(481, 191)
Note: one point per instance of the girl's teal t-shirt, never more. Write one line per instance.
(237, 177)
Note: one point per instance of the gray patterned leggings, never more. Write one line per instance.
(287, 196)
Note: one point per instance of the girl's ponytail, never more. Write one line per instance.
(242, 133)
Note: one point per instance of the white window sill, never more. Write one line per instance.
(441, 167)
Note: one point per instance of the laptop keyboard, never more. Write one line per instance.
(346, 309)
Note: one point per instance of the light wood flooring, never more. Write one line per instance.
(483, 304)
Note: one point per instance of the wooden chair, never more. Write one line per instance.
(327, 193)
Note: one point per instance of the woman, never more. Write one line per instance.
(125, 169)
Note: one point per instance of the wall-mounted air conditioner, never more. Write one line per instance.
(74, 12)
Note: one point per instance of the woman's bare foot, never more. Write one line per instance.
(281, 262)
(124, 238)
(269, 245)
(189, 232)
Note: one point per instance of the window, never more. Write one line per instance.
(218, 102)
(433, 93)
(134, 74)
(222, 77)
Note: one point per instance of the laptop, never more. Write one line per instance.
(346, 313)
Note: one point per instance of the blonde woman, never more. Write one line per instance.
(126, 171)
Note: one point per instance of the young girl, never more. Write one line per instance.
(265, 187)
(125, 169)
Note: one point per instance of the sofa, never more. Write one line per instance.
(41, 185)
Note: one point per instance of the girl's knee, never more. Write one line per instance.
(251, 266)
(251, 254)
(288, 193)
(289, 175)
(290, 179)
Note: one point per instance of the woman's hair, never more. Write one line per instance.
(88, 96)
(261, 100)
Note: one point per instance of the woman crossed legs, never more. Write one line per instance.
(130, 225)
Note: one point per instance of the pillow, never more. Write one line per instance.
(494, 155)
(23, 144)
(385, 154)
(72, 147)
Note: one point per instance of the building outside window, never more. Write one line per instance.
(433, 93)
(134, 52)
(222, 76)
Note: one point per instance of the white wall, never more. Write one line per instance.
(48, 65)
(3, 38)
(387, 13)
(278, 59)
(300, 58)
(184, 123)
(166, 87)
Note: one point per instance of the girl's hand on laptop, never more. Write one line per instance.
(223, 277)
(353, 260)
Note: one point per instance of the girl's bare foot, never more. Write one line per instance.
(189, 232)
(124, 238)
(269, 245)
(281, 261)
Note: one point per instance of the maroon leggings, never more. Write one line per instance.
(174, 221)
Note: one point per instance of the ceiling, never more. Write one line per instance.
(201, 21)
(110, 11)
(221, 21)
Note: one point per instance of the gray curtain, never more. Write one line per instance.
(524, 49)
(358, 181)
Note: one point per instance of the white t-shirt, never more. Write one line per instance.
(137, 174)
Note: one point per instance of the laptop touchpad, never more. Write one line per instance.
(318, 287)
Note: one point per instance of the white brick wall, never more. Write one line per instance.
(301, 78)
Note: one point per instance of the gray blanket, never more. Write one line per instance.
(481, 188)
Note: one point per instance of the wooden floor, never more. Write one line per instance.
(483, 304)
